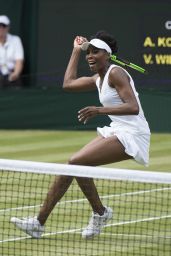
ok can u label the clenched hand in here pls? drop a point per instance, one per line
(86, 113)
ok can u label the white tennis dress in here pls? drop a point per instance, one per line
(131, 130)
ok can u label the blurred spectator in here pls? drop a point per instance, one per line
(11, 55)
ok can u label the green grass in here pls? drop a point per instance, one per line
(137, 237)
(58, 146)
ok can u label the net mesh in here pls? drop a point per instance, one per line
(141, 202)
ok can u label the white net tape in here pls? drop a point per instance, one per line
(85, 171)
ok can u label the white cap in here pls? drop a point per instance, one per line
(4, 20)
(98, 43)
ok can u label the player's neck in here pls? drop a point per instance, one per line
(103, 71)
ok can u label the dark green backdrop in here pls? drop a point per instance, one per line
(51, 108)
(48, 27)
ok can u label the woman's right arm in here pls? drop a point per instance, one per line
(71, 82)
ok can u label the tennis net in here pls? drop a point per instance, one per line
(141, 203)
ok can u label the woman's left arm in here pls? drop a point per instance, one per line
(119, 80)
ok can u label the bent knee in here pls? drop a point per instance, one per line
(74, 160)
(78, 159)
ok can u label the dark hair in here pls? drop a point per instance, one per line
(107, 38)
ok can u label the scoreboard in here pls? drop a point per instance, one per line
(156, 50)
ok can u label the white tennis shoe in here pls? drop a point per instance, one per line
(31, 226)
(96, 223)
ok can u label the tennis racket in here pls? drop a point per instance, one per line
(128, 64)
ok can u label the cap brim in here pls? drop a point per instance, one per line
(85, 46)
(98, 43)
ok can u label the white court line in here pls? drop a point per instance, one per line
(15, 239)
(18, 208)
(45, 234)
(84, 199)
(140, 220)
(81, 200)
(136, 235)
(78, 230)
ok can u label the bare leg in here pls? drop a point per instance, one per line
(97, 152)
(57, 190)
(89, 189)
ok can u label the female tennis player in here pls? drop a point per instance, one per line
(127, 137)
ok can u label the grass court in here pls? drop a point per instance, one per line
(139, 209)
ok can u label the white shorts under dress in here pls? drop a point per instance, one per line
(135, 144)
